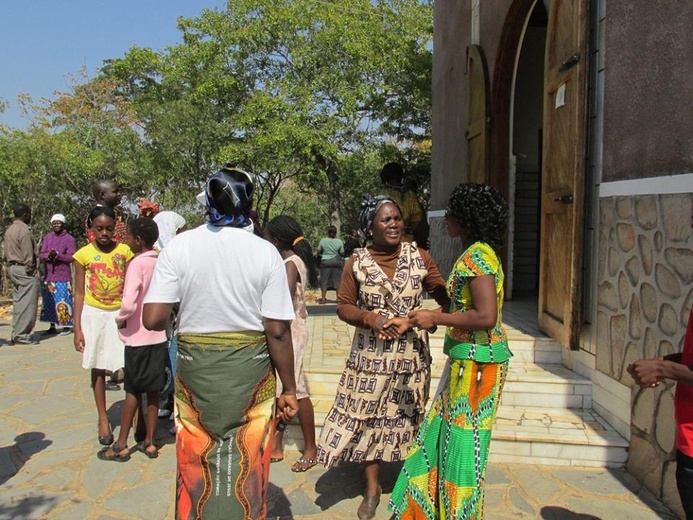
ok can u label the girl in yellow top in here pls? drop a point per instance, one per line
(99, 280)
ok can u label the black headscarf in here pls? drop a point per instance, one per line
(369, 207)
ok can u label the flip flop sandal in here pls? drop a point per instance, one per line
(300, 467)
(116, 457)
(142, 446)
(276, 459)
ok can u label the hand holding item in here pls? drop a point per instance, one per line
(52, 255)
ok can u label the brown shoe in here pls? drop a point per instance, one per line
(368, 506)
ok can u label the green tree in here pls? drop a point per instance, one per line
(293, 91)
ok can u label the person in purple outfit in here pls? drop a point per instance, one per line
(56, 291)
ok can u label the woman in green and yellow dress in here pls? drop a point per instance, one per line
(443, 476)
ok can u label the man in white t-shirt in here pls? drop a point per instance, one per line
(233, 330)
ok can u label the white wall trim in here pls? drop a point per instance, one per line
(682, 183)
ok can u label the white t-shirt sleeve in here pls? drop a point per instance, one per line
(276, 300)
(165, 285)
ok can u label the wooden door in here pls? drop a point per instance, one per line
(563, 158)
(479, 116)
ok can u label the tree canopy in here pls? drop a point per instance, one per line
(311, 97)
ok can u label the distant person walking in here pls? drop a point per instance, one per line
(330, 251)
(56, 252)
(20, 253)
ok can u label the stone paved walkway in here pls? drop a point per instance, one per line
(49, 469)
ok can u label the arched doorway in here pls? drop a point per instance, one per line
(538, 152)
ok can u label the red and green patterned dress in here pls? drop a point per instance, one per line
(443, 476)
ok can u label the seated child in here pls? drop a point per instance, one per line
(145, 351)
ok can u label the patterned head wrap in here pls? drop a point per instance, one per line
(228, 196)
(369, 208)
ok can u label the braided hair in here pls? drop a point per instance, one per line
(481, 211)
(99, 211)
(289, 236)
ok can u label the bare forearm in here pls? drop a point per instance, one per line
(79, 304)
(676, 371)
(472, 319)
(281, 353)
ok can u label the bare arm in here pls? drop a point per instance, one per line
(278, 334)
(650, 372)
(292, 277)
(79, 304)
(155, 315)
(482, 316)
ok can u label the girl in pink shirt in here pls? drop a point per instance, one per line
(145, 351)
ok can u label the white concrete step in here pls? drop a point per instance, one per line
(529, 436)
(527, 384)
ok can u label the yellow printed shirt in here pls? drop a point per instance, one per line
(484, 346)
(104, 275)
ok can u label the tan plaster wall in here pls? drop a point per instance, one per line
(451, 37)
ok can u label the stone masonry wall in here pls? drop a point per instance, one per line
(645, 273)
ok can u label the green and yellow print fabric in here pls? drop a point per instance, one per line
(489, 346)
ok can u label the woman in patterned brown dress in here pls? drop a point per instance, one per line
(383, 390)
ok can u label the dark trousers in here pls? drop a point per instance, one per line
(684, 482)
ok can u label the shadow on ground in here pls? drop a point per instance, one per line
(345, 481)
(561, 513)
(14, 456)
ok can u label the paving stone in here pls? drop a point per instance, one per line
(56, 480)
(148, 500)
(601, 482)
(520, 502)
(33, 411)
(537, 485)
(72, 511)
(496, 475)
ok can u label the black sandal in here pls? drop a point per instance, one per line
(142, 446)
(116, 457)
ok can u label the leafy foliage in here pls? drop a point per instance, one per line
(312, 97)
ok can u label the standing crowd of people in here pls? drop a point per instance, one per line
(225, 309)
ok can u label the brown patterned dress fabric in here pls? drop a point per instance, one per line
(384, 388)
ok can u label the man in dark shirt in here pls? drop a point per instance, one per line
(20, 253)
